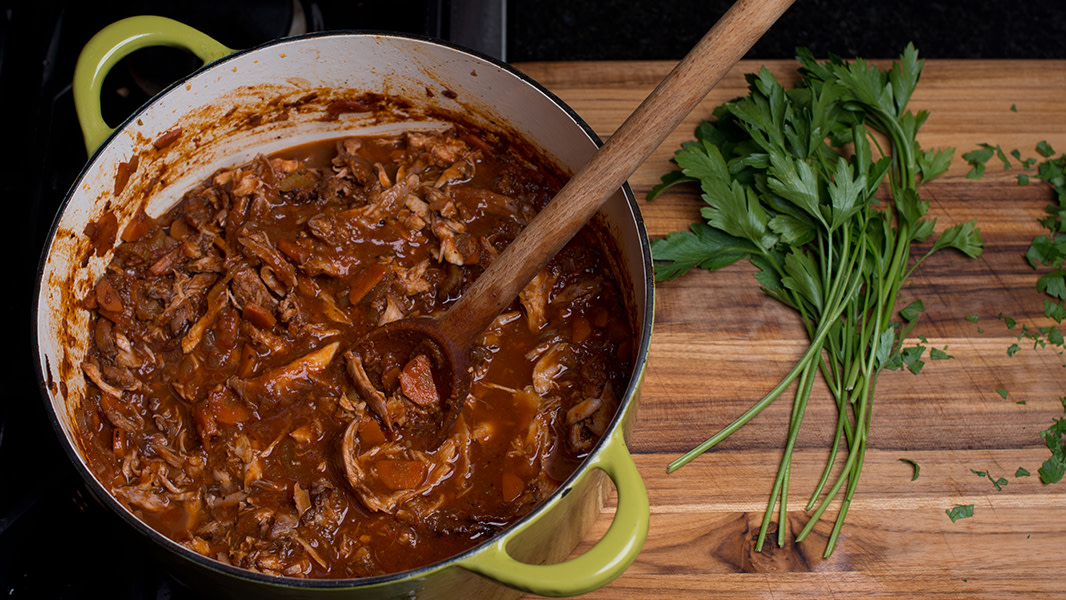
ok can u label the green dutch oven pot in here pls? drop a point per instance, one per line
(288, 84)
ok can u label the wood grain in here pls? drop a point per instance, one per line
(719, 344)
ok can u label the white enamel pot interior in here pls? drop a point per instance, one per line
(245, 103)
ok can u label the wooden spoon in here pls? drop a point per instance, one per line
(446, 340)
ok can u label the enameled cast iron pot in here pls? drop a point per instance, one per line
(243, 103)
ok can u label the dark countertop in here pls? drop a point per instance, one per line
(665, 29)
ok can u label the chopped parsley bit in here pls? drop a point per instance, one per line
(912, 311)
(1054, 436)
(1023, 179)
(914, 464)
(1022, 402)
(1013, 108)
(1022, 472)
(1008, 321)
(938, 354)
(912, 358)
(1053, 335)
(972, 318)
(997, 482)
(1054, 310)
(1013, 349)
(1002, 393)
(977, 159)
(959, 511)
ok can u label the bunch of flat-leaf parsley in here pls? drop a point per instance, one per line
(790, 178)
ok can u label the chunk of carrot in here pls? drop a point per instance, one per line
(296, 251)
(580, 329)
(107, 296)
(367, 279)
(258, 316)
(511, 486)
(226, 407)
(249, 361)
(400, 474)
(205, 423)
(416, 381)
(138, 226)
(370, 433)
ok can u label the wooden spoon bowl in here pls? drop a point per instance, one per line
(436, 400)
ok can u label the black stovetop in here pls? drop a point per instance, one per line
(55, 541)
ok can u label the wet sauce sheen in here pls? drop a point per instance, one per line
(220, 385)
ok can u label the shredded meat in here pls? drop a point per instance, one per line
(226, 408)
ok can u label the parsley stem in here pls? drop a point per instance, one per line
(848, 472)
(780, 489)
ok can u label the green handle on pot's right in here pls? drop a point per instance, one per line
(113, 43)
(599, 565)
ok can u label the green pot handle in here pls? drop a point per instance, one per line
(598, 566)
(113, 43)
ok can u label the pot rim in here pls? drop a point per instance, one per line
(626, 404)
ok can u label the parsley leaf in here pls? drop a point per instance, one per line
(960, 511)
(938, 354)
(977, 159)
(997, 482)
(1054, 310)
(917, 469)
(701, 246)
(912, 358)
(912, 310)
(1054, 468)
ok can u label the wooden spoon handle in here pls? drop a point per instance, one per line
(660, 113)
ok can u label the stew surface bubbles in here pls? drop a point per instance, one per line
(226, 410)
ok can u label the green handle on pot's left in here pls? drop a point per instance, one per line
(115, 42)
(597, 566)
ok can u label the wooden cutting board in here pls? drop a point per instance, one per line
(719, 345)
